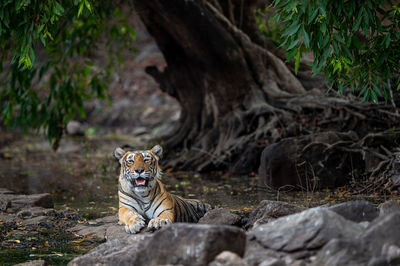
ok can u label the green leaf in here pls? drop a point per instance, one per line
(292, 30)
(323, 27)
(306, 39)
(80, 9)
(297, 62)
(293, 44)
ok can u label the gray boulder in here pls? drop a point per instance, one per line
(114, 252)
(269, 210)
(342, 252)
(383, 231)
(191, 244)
(306, 162)
(185, 244)
(308, 230)
(388, 207)
(379, 244)
(220, 216)
(356, 211)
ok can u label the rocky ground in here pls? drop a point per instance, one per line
(274, 233)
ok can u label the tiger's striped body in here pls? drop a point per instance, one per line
(142, 195)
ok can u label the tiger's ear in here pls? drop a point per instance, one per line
(119, 153)
(157, 151)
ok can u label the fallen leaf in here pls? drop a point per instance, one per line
(77, 241)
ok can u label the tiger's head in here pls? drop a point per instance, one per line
(139, 169)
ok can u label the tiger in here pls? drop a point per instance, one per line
(143, 197)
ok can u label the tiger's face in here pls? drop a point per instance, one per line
(139, 169)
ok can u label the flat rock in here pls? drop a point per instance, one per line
(220, 216)
(44, 200)
(356, 211)
(92, 230)
(101, 228)
(7, 218)
(27, 213)
(269, 210)
(37, 220)
(308, 230)
(5, 191)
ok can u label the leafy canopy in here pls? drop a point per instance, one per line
(46, 70)
(355, 43)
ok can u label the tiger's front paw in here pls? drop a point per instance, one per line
(156, 223)
(134, 225)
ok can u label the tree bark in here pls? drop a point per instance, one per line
(236, 95)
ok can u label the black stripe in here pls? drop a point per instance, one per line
(182, 211)
(129, 206)
(165, 210)
(152, 198)
(158, 206)
(131, 196)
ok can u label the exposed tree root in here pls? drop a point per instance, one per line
(238, 97)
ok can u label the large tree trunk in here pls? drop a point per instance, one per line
(236, 95)
(219, 76)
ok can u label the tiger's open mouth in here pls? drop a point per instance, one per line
(141, 182)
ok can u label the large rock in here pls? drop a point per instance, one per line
(191, 244)
(306, 162)
(342, 252)
(383, 231)
(379, 244)
(308, 230)
(114, 252)
(220, 216)
(356, 211)
(185, 244)
(269, 210)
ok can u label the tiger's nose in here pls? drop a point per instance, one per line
(139, 170)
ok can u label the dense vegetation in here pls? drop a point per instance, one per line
(46, 68)
(355, 43)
